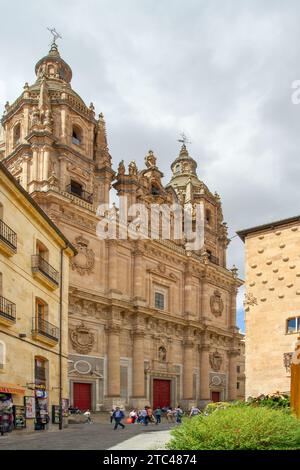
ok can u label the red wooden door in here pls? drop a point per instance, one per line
(215, 396)
(82, 396)
(161, 393)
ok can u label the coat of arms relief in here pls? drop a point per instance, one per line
(82, 339)
(84, 261)
(216, 303)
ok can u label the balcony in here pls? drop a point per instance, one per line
(7, 312)
(44, 331)
(213, 259)
(78, 192)
(8, 239)
(44, 272)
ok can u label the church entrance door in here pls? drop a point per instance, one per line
(161, 393)
(215, 396)
(82, 396)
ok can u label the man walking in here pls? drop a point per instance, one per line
(118, 415)
(157, 414)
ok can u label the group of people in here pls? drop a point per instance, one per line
(147, 415)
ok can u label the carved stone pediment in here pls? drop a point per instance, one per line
(82, 339)
(216, 303)
(161, 271)
(84, 261)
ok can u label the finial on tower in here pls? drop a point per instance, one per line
(55, 36)
(184, 140)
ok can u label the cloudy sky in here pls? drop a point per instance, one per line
(221, 71)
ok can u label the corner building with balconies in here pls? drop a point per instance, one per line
(149, 321)
(34, 272)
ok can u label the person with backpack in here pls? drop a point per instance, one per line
(178, 414)
(118, 415)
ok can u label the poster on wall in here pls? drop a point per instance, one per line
(29, 403)
(65, 407)
(55, 414)
(19, 416)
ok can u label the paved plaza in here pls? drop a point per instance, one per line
(96, 436)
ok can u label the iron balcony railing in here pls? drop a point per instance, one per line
(88, 197)
(40, 264)
(8, 235)
(213, 259)
(7, 309)
(43, 327)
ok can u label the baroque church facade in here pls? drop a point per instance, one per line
(149, 321)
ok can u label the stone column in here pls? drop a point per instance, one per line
(46, 157)
(188, 370)
(139, 274)
(188, 297)
(113, 267)
(113, 362)
(204, 375)
(232, 375)
(232, 313)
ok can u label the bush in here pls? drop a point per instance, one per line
(238, 428)
(273, 400)
(211, 407)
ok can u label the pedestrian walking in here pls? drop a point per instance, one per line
(112, 414)
(194, 411)
(170, 415)
(178, 414)
(87, 414)
(157, 414)
(144, 416)
(133, 416)
(118, 415)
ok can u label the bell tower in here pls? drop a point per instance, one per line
(190, 190)
(53, 143)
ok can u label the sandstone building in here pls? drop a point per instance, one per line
(272, 304)
(148, 320)
(34, 273)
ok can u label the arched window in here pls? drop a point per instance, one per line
(208, 216)
(177, 168)
(17, 134)
(154, 190)
(76, 135)
(2, 354)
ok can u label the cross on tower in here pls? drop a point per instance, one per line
(55, 35)
(184, 140)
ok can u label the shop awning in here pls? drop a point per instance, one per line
(11, 388)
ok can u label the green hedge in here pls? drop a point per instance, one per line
(238, 428)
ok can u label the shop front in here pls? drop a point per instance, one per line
(12, 415)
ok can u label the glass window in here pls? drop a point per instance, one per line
(292, 325)
(238, 369)
(238, 385)
(159, 300)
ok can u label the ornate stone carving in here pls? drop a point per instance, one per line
(150, 159)
(162, 354)
(132, 168)
(84, 261)
(215, 360)
(82, 339)
(216, 304)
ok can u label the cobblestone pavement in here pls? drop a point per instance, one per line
(96, 436)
